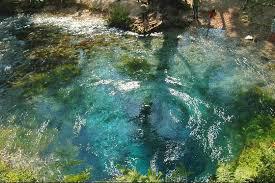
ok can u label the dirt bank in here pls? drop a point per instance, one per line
(240, 19)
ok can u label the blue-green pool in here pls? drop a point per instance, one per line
(161, 101)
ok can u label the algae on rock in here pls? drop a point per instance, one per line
(136, 67)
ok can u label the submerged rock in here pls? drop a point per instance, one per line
(136, 67)
(50, 61)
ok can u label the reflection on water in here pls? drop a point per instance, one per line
(160, 101)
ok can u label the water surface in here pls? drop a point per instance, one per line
(161, 101)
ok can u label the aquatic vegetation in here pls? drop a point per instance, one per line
(29, 141)
(51, 61)
(36, 83)
(70, 97)
(20, 149)
(21, 160)
(43, 58)
(119, 17)
(128, 175)
(258, 127)
(136, 67)
(40, 35)
(98, 41)
(48, 57)
(21, 174)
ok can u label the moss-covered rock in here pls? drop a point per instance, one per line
(40, 35)
(36, 83)
(136, 67)
(98, 42)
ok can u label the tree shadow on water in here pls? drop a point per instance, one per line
(160, 133)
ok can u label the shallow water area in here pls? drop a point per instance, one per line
(162, 101)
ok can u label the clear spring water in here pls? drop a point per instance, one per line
(179, 117)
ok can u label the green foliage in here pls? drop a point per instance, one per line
(80, 177)
(225, 173)
(24, 174)
(248, 165)
(180, 174)
(257, 127)
(119, 17)
(254, 163)
(253, 102)
(266, 174)
(153, 176)
(257, 159)
(12, 174)
(128, 175)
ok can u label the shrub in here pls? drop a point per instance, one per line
(119, 17)
(256, 160)
(80, 177)
(11, 174)
(253, 102)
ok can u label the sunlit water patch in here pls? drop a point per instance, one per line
(159, 101)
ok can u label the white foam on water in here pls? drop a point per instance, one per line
(89, 26)
(205, 132)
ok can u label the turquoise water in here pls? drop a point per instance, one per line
(177, 111)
